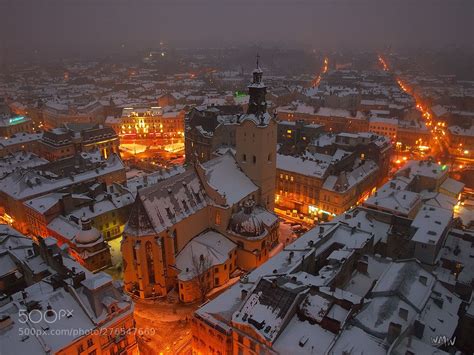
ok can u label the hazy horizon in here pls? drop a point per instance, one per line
(61, 27)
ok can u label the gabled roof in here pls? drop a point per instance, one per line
(160, 206)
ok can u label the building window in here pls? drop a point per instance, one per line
(252, 345)
(254, 159)
(89, 343)
(185, 206)
(244, 157)
(149, 262)
(218, 218)
(269, 158)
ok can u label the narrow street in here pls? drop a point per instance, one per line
(437, 129)
(156, 322)
(324, 69)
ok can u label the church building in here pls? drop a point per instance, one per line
(189, 233)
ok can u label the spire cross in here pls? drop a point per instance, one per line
(258, 57)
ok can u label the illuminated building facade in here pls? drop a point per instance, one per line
(461, 141)
(413, 134)
(148, 123)
(225, 203)
(107, 208)
(384, 127)
(79, 171)
(333, 175)
(14, 124)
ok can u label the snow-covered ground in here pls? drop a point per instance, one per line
(286, 234)
(133, 148)
(116, 269)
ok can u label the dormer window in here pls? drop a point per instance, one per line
(185, 206)
(169, 213)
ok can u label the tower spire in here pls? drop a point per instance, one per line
(257, 91)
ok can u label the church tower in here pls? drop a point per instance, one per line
(256, 139)
(257, 92)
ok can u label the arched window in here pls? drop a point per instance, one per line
(149, 262)
(218, 218)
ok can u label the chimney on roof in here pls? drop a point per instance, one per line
(394, 330)
(243, 294)
(362, 266)
(418, 328)
(290, 256)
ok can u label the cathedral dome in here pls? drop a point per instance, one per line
(246, 222)
(88, 234)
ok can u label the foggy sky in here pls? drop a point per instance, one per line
(58, 26)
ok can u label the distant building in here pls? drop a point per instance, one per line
(210, 129)
(333, 119)
(413, 134)
(384, 127)
(151, 123)
(71, 139)
(20, 142)
(10, 125)
(296, 135)
(56, 113)
(461, 141)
